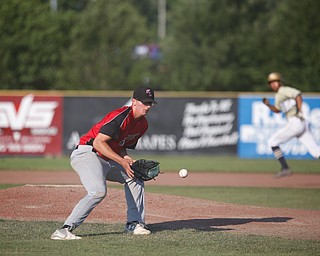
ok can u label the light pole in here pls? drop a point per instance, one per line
(54, 5)
(161, 19)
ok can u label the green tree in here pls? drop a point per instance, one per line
(233, 45)
(149, 10)
(67, 5)
(31, 41)
(100, 56)
(293, 43)
(214, 44)
(210, 45)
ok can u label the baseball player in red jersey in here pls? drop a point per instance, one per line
(289, 101)
(102, 155)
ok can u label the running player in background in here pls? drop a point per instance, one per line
(289, 101)
(102, 155)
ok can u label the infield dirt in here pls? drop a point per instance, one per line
(164, 212)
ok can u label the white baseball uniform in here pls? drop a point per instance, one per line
(297, 126)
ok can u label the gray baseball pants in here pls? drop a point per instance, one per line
(93, 171)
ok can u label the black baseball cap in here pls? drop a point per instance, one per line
(144, 94)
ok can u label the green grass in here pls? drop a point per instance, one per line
(174, 163)
(4, 186)
(32, 238)
(295, 198)
(35, 163)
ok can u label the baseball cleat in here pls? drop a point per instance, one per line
(137, 228)
(64, 234)
(283, 173)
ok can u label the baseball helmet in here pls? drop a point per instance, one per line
(274, 76)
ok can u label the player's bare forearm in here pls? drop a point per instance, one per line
(271, 107)
(100, 143)
(127, 157)
(274, 109)
(299, 102)
(103, 148)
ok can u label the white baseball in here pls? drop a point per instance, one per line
(183, 173)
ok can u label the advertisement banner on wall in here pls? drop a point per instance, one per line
(31, 125)
(257, 124)
(193, 125)
(176, 125)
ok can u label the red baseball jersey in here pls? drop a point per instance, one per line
(121, 126)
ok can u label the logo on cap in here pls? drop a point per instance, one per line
(149, 92)
(144, 94)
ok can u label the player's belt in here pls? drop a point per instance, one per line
(93, 150)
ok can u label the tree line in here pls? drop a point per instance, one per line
(210, 45)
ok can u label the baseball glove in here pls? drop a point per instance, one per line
(145, 170)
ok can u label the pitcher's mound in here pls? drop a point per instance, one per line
(163, 212)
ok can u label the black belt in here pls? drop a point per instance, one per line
(93, 150)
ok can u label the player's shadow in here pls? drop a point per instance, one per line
(211, 224)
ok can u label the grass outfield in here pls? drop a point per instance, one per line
(294, 198)
(32, 238)
(174, 163)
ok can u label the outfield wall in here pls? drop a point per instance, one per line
(50, 123)
(257, 124)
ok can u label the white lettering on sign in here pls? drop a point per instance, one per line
(30, 114)
(208, 124)
(27, 126)
(264, 123)
(157, 142)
